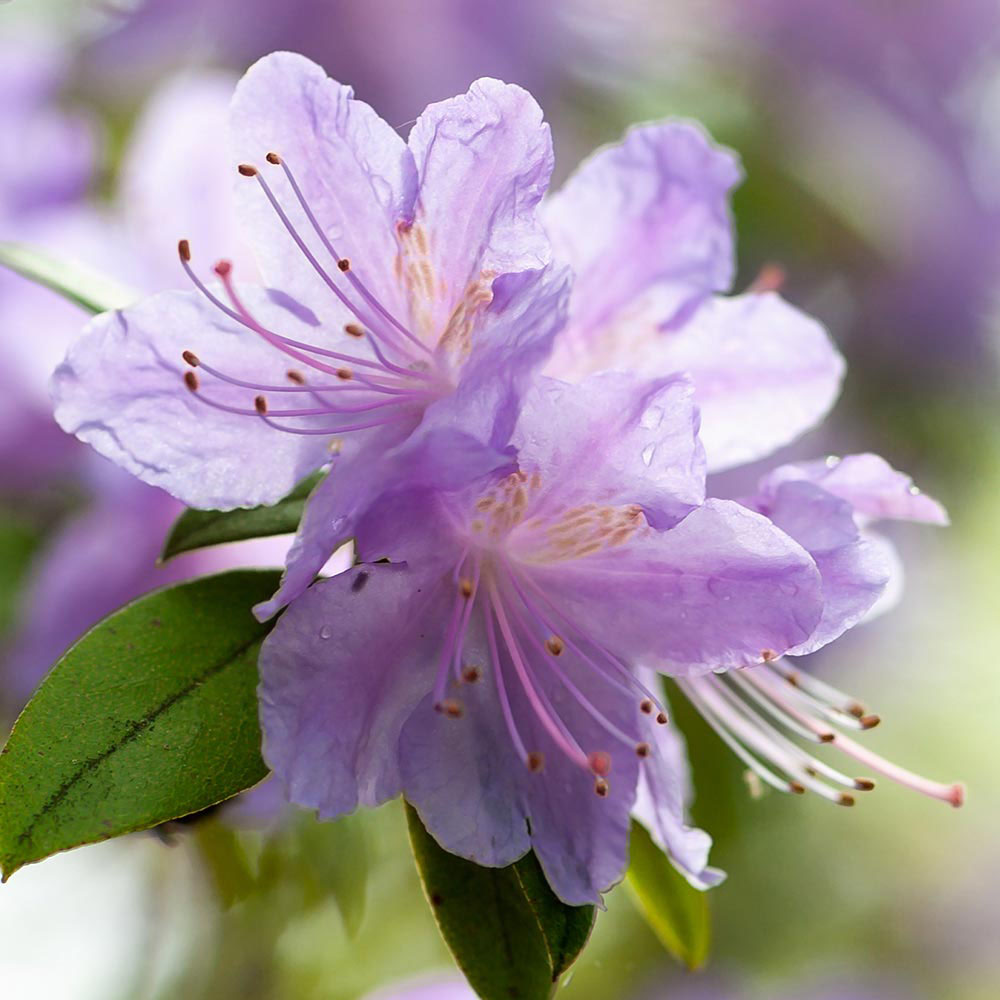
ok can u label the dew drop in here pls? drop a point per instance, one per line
(325, 632)
(832, 461)
(647, 454)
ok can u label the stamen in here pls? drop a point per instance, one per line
(536, 762)
(508, 716)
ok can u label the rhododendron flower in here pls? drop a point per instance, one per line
(399, 279)
(826, 506)
(646, 228)
(487, 670)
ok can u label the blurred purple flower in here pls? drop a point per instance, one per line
(497, 691)
(400, 56)
(645, 226)
(442, 987)
(418, 307)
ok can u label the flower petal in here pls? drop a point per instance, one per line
(721, 589)
(874, 488)
(651, 211)
(340, 673)
(353, 168)
(484, 160)
(121, 389)
(615, 439)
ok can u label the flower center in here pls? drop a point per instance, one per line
(343, 391)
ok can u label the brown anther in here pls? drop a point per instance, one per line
(345, 374)
(864, 784)
(846, 800)
(273, 158)
(297, 377)
(601, 788)
(449, 707)
(642, 749)
(796, 789)
(184, 249)
(646, 706)
(344, 264)
(869, 721)
(471, 674)
(465, 587)
(856, 710)
(535, 762)
(260, 404)
(811, 771)
(767, 655)
(190, 357)
(661, 718)
(554, 645)
(247, 170)
(793, 679)
(191, 381)
(353, 330)
(827, 737)
(223, 268)
(599, 762)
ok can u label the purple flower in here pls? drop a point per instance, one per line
(826, 507)
(646, 228)
(441, 987)
(385, 308)
(488, 671)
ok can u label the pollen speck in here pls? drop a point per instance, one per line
(535, 762)
(471, 674)
(450, 707)
(642, 749)
(465, 587)
(601, 788)
(344, 264)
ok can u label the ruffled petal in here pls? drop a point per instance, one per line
(868, 483)
(340, 673)
(724, 588)
(650, 212)
(484, 160)
(121, 389)
(353, 168)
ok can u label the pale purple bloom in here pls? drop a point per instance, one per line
(645, 226)
(487, 671)
(440, 987)
(401, 278)
(826, 506)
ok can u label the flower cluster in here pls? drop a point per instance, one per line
(519, 397)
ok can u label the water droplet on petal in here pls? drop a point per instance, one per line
(832, 461)
(325, 632)
(647, 454)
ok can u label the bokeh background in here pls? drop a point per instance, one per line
(870, 136)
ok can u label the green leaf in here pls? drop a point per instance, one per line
(152, 715)
(509, 933)
(677, 912)
(82, 285)
(196, 529)
(564, 928)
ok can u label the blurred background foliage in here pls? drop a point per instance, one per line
(870, 135)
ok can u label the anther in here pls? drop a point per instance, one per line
(345, 374)
(554, 645)
(260, 404)
(869, 721)
(273, 158)
(795, 788)
(247, 170)
(661, 718)
(297, 377)
(191, 358)
(845, 800)
(767, 655)
(826, 737)
(856, 710)
(535, 762)
(353, 330)
(642, 750)
(191, 381)
(601, 788)
(449, 707)
(864, 784)
(471, 674)
(646, 706)
(600, 762)
(223, 268)
(465, 587)
(344, 264)
(184, 249)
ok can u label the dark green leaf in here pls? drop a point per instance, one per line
(565, 928)
(152, 715)
(509, 933)
(80, 284)
(196, 529)
(676, 911)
